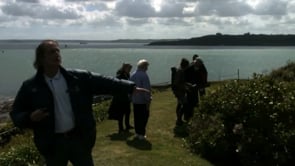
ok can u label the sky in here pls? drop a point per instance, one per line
(142, 19)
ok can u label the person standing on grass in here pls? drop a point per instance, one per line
(141, 101)
(203, 74)
(196, 75)
(57, 104)
(120, 105)
(180, 88)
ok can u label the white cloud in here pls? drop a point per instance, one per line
(135, 8)
(113, 19)
(223, 8)
(272, 7)
(40, 11)
(169, 9)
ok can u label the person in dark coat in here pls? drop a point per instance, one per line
(56, 104)
(203, 74)
(120, 106)
(180, 88)
(196, 75)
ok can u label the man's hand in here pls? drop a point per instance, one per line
(39, 114)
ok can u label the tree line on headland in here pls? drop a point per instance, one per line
(219, 39)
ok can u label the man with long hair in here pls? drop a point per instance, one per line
(57, 104)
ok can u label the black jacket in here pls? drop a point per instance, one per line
(82, 86)
(120, 103)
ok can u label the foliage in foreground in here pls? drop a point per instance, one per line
(246, 123)
(285, 73)
(22, 152)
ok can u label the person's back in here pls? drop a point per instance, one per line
(180, 83)
(202, 76)
(180, 87)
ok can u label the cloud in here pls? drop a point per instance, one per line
(28, 1)
(222, 8)
(135, 8)
(137, 21)
(169, 9)
(271, 7)
(34, 11)
(144, 18)
(89, 0)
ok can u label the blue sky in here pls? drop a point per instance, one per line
(142, 19)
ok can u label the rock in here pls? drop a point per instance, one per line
(5, 108)
(6, 105)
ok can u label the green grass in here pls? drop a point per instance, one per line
(161, 148)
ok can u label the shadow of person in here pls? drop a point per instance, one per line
(139, 144)
(181, 131)
(120, 136)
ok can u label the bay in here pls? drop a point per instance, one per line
(222, 62)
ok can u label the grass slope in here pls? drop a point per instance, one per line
(162, 148)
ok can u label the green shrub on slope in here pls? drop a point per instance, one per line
(285, 73)
(246, 123)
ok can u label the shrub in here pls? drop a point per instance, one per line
(285, 73)
(100, 110)
(246, 123)
(21, 153)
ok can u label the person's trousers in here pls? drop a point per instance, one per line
(72, 147)
(125, 115)
(141, 116)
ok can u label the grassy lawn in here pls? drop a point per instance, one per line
(161, 148)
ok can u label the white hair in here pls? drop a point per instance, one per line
(142, 63)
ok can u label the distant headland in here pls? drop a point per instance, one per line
(219, 39)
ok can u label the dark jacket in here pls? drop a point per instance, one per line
(179, 83)
(82, 86)
(197, 76)
(120, 103)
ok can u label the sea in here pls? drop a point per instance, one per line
(106, 57)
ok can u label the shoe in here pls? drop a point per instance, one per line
(179, 123)
(137, 136)
(142, 137)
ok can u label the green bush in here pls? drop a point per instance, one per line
(21, 153)
(246, 123)
(285, 73)
(100, 110)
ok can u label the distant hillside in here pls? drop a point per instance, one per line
(233, 40)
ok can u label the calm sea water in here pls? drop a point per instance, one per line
(222, 62)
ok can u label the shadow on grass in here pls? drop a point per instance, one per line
(140, 144)
(181, 131)
(120, 136)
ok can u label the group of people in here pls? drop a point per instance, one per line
(188, 84)
(120, 106)
(56, 103)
